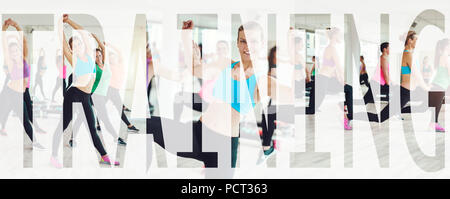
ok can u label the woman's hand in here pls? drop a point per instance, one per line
(188, 25)
(5, 25)
(13, 23)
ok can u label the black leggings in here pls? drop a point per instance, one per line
(76, 95)
(181, 99)
(58, 85)
(383, 89)
(268, 124)
(405, 97)
(29, 105)
(436, 99)
(114, 96)
(99, 104)
(210, 159)
(12, 101)
(39, 82)
(329, 86)
(364, 79)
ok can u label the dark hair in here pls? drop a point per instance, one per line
(70, 42)
(271, 57)
(410, 35)
(361, 57)
(200, 46)
(384, 45)
(98, 50)
(252, 26)
(441, 44)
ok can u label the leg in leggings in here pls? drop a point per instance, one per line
(210, 159)
(268, 128)
(435, 99)
(328, 86)
(348, 90)
(114, 96)
(58, 85)
(12, 103)
(102, 113)
(405, 97)
(364, 79)
(39, 83)
(76, 95)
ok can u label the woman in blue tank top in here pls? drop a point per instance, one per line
(235, 89)
(84, 76)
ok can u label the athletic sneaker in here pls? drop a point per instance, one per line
(38, 146)
(347, 124)
(72, 143)
(265, 155)
(126, 109)
(105, 160)
(438, 128)
(55, 163)
(133, 129)
(121, 141)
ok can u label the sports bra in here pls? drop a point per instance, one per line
(406, 70)
(83, 67)
(16, 73)
(242, 102)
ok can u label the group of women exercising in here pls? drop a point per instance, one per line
(329, 77)
(226, 85)
(92, 80)
(412, 81)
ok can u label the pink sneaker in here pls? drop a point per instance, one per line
(347, 124)
(438, 128)
(55, 163)
(105, 160)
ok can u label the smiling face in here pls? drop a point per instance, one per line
(98, 57)
(249, 43)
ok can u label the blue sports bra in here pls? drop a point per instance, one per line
(243, 102)
(406, 70)
(83, 68)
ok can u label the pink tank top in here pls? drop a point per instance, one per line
(206, 92)
(379, 76)
(62, 72)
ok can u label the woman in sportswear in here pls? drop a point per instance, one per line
(78, 54)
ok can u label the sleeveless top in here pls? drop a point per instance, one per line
(243, 102)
